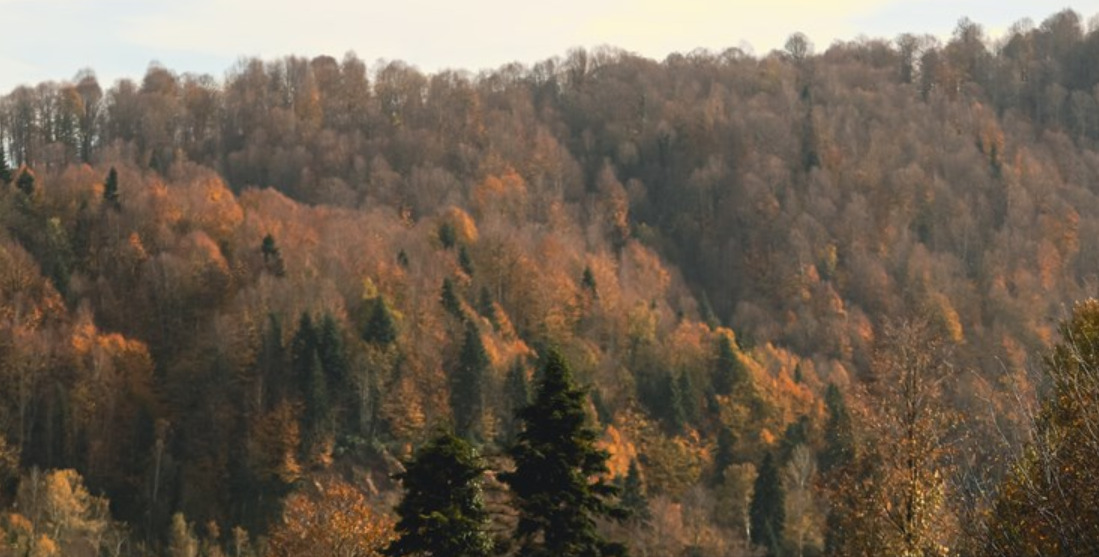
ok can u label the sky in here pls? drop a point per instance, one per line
(45, 40)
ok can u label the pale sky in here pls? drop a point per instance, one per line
(53, 39)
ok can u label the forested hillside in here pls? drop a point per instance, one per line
(809, 302)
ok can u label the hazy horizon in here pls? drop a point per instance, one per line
(120, 38)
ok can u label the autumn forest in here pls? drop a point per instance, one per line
(821, 301)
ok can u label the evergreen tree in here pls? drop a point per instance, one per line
(706, 311)
(558, 479)
(25, 182)
(447, 235)
(634, 499)
(110, 191)
(449, 298)
(689, 402)
(467, 383)
(402, 259)
(272, 257)
(486, 307)
(839, 441)
(380, 329)
(464, 261)
(587, 280)
(333, 359)
(797, 433)
(442, 512)
(724, 455)
(5, 170)
(303, 348)
(728, 371)
(516, 397)
(272, 361)
(310, 378)
(767, 513)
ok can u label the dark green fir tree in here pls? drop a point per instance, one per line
(467, 383)
(380, 329)
(634, 499)
(767, 512)
(559, 478)
(442, 511)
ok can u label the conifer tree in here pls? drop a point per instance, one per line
(728, 371)
(464, 261)
(767, 513)
(634, 499)
(442, 512)
(467, 383)
(558, 480)
(447, 235)
(587, 280)
(449, 298)
(516, 397)
(486, 307)
(110, 191)
(272, 257)
(380, 329)
(724, 455)
(333, 358)
(839, 442)
(25, 182)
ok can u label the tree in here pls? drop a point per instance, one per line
(111, 196)
(634, 499)
(272, 257)
(558, 481)
(724, 456)
(442, 511)
(728, 372)
(465, 262)
(839, 441)
(467, 382)
(449, 298)
(334, 520)
(380, 328)
(1049, 502)
(25, 182)
(768, 511)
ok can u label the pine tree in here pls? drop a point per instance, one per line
(839, 441)
(767, 513)
(724, 455)
(467, 383)
(5, 170)
(634, 499)
(587, 280)
(110, 191)
(464, 261)
(486, 307)
(516, 397)
(558, 479)
(25, 182)
(380, 329)
(442, 511)
(272, 257)
(728, 371)
(447, 235)
(334, 363)
(449, 298)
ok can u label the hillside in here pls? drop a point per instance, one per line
(221, 298)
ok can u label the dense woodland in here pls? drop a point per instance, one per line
(804, 303)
